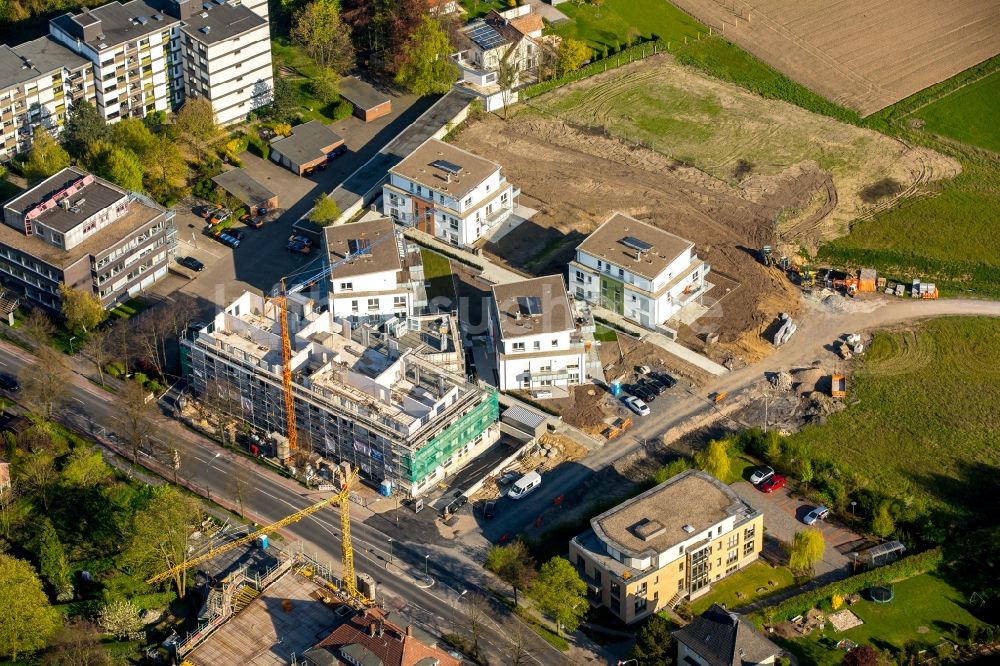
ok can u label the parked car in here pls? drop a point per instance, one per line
(262, 210)
(526, 484)
(490, 510)
(308, 171)
(336, 152)
(245, 218)
(299, 248)
(665, 378)
(321, 166)
(218, 216)
(643, 369)
(255, 222)
(637, 405)
(541, 394)
(774, 483)
(507, 478)
(239, 234)
(643, 393)
(206, 211)
(762, 474)
(654, 385)
(819, 513)
(192, 263)
(9, 383)
(299, 238)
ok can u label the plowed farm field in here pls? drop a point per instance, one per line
(863, 54)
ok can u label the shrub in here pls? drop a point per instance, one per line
(115, 369)
(836, 602)
(341, 110)
(259, 147)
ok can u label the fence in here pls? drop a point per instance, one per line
(623, 57)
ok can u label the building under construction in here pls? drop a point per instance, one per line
(362, 396)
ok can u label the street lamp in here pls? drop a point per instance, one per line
(71, 339)
(390, 550)
(627, 662)
(852, 508)
(425, 563)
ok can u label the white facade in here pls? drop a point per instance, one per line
(373, 295)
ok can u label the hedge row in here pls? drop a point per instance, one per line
(904, 568)
(623, 57)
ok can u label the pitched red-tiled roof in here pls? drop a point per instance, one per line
(393, 645)
(528, 23)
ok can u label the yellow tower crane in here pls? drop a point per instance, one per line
(281, 301)
(347, 552)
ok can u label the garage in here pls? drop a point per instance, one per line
(368, 102)
(309, 145)
(240, 184)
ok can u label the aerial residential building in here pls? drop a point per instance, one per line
(535, 336)
(310, 144)
(449, 193)
(361, 396)
(719, 637)
(636, 270)
(369, 638)
(667, 544)
(76, 229)
(39, 81)
(373, 271)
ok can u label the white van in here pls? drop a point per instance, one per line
(524, 485)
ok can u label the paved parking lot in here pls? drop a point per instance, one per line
(783, 515)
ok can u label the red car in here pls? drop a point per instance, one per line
(772, 484)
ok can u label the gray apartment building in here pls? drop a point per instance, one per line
(77, 229)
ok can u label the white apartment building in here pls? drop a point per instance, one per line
(636, 270)
(372, 274)
(39, 81)
(534, 334)
(449, 193)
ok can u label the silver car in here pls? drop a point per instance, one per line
(761, 475)
(819, 513)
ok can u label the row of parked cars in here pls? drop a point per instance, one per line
(767, 482)
(644, 391)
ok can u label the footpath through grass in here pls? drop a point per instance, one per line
(922, 422)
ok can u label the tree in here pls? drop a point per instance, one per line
(45, 158)
(240, 487)
(882, 523)
(513, 564)
(325, 85)
(85, 468)
(84, 126)
(807, 550)
(715, 460)
(652, 643)
(37, 473)
(319, 29)
(95, 348)
(508, 71)
(285, 105)
(119, 165)
(46, 382)
(196, 127)
(864, 655)
(133, 134)
(517, 653)
(52, 562)
(159, 535)
(137, 417)
(325, 211)
(632, 36)
(166, 170)
(560, 593)
(476, 610)
(120, 618)
(26, 618)
(572, 54)
(425, 68)
(83, 310)
(76, 644)
(38, 327)
(806, 472)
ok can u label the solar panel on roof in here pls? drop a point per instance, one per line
(530, 305)
(445, 165)
(636, 244)
(486, 37)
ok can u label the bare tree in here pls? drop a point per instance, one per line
(119, 343)
(476, 611)
(517, 653)
(46, 382)
(137, 417)
(149, 331)
(10, 511)
(508, 70)
(96, 350)
(240, 487)
(222, 400)
(38, 474)
(38, 327)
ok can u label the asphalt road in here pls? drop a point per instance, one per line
(271, 497)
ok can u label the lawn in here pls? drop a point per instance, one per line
(610, 22)
(742, 587)
(937, 386)
(288, 56)
(926, 610)
(970, 115)
(603, 333)
(437, 271)
(477, 8)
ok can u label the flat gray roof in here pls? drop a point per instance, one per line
(241, 185)
(361, 94)
(382, 254)
(309, 141)
(220, 22)
(614, 241)
(531, 307)
(95, 197)
(38, 57)
(119, 22)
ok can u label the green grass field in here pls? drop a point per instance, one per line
(741, 588)
(604, 26)
(925, 610)
(294, 59)
(970, 115)
(437, 271)
(922, 422)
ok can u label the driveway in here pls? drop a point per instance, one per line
(783, 515)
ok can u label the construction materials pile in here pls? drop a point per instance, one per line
(781, 381)
(786, 330)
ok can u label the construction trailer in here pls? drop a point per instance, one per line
(867, 280)
(838, 386)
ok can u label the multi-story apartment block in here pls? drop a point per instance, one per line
(534, 333)
(361, 396)
(508, 39)
(39, 81)
(375, 273)
(638, 271)
(87, 233)
(669, 543)
(449, 193)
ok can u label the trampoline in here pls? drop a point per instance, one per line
(881, 594)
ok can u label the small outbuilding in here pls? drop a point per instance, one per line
(240, 184)
(369, 103)
(309, 145)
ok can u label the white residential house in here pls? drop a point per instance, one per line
(449, 193)
(534, 333)
(636, 270)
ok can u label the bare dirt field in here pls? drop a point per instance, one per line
(865, 55)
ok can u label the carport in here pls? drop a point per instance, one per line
(242, 185)
(308, 146)
(368, 102)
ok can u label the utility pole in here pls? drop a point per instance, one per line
(177, 464)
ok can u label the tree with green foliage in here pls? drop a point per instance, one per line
(84, 125)
(85, 468)
(27, 621)
(83, 310)
(159, 535)
(714, 459)
(45, 383)
(166, 171)
(325, 211)
(319, 30)
(325, 85)
(806, 472)
(45, 158)
(560, 593)
(135, 135)
(652, 643)
(120, 618)
(285, 104)
(807, 550)
(882, 522)
(572, 54)
(112, 162)
(425, 68)
(76, 644)
(52, 562)
(196, 126)
(513, 564)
